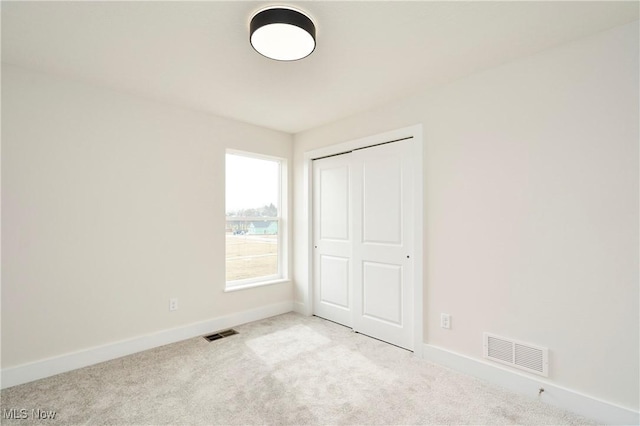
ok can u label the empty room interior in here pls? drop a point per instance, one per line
(320, 212)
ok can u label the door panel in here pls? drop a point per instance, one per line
(332, 239)
(382, 292)
(381, 210)
(334, 202)
(383, 217)
(334, 280)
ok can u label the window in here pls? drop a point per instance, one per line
(254, 224)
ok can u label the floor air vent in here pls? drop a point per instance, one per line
(220, 335)
(534, 359)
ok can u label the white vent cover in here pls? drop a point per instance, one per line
(531, 358)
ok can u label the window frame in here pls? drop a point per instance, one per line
(282, 235)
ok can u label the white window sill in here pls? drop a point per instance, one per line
(254, 285)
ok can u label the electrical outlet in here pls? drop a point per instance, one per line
(445, 321)
(173, 304)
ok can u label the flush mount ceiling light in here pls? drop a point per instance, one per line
(282, 33)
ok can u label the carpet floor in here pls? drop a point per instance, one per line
(285, 370)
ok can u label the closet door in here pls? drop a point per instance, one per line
(332, 269)
(363, 238)
(382, 227)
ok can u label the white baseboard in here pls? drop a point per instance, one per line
(51, 366)
(593, 408)
(301, 308)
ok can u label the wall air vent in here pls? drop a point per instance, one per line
(220, 335)
(531, 358)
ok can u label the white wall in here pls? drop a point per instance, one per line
(531, 208)
(112, 205)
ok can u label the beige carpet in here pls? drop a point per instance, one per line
(288, 369)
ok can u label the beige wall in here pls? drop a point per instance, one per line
(111, 205)
(531, 208)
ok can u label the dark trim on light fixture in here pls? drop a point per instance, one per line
(286, 16)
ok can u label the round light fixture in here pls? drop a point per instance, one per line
(282, 33)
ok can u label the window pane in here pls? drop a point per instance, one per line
(252, 249)
(252, 186)
(252, 223)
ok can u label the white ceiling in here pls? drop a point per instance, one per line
(197, 54)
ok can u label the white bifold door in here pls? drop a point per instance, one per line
(363, 241)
